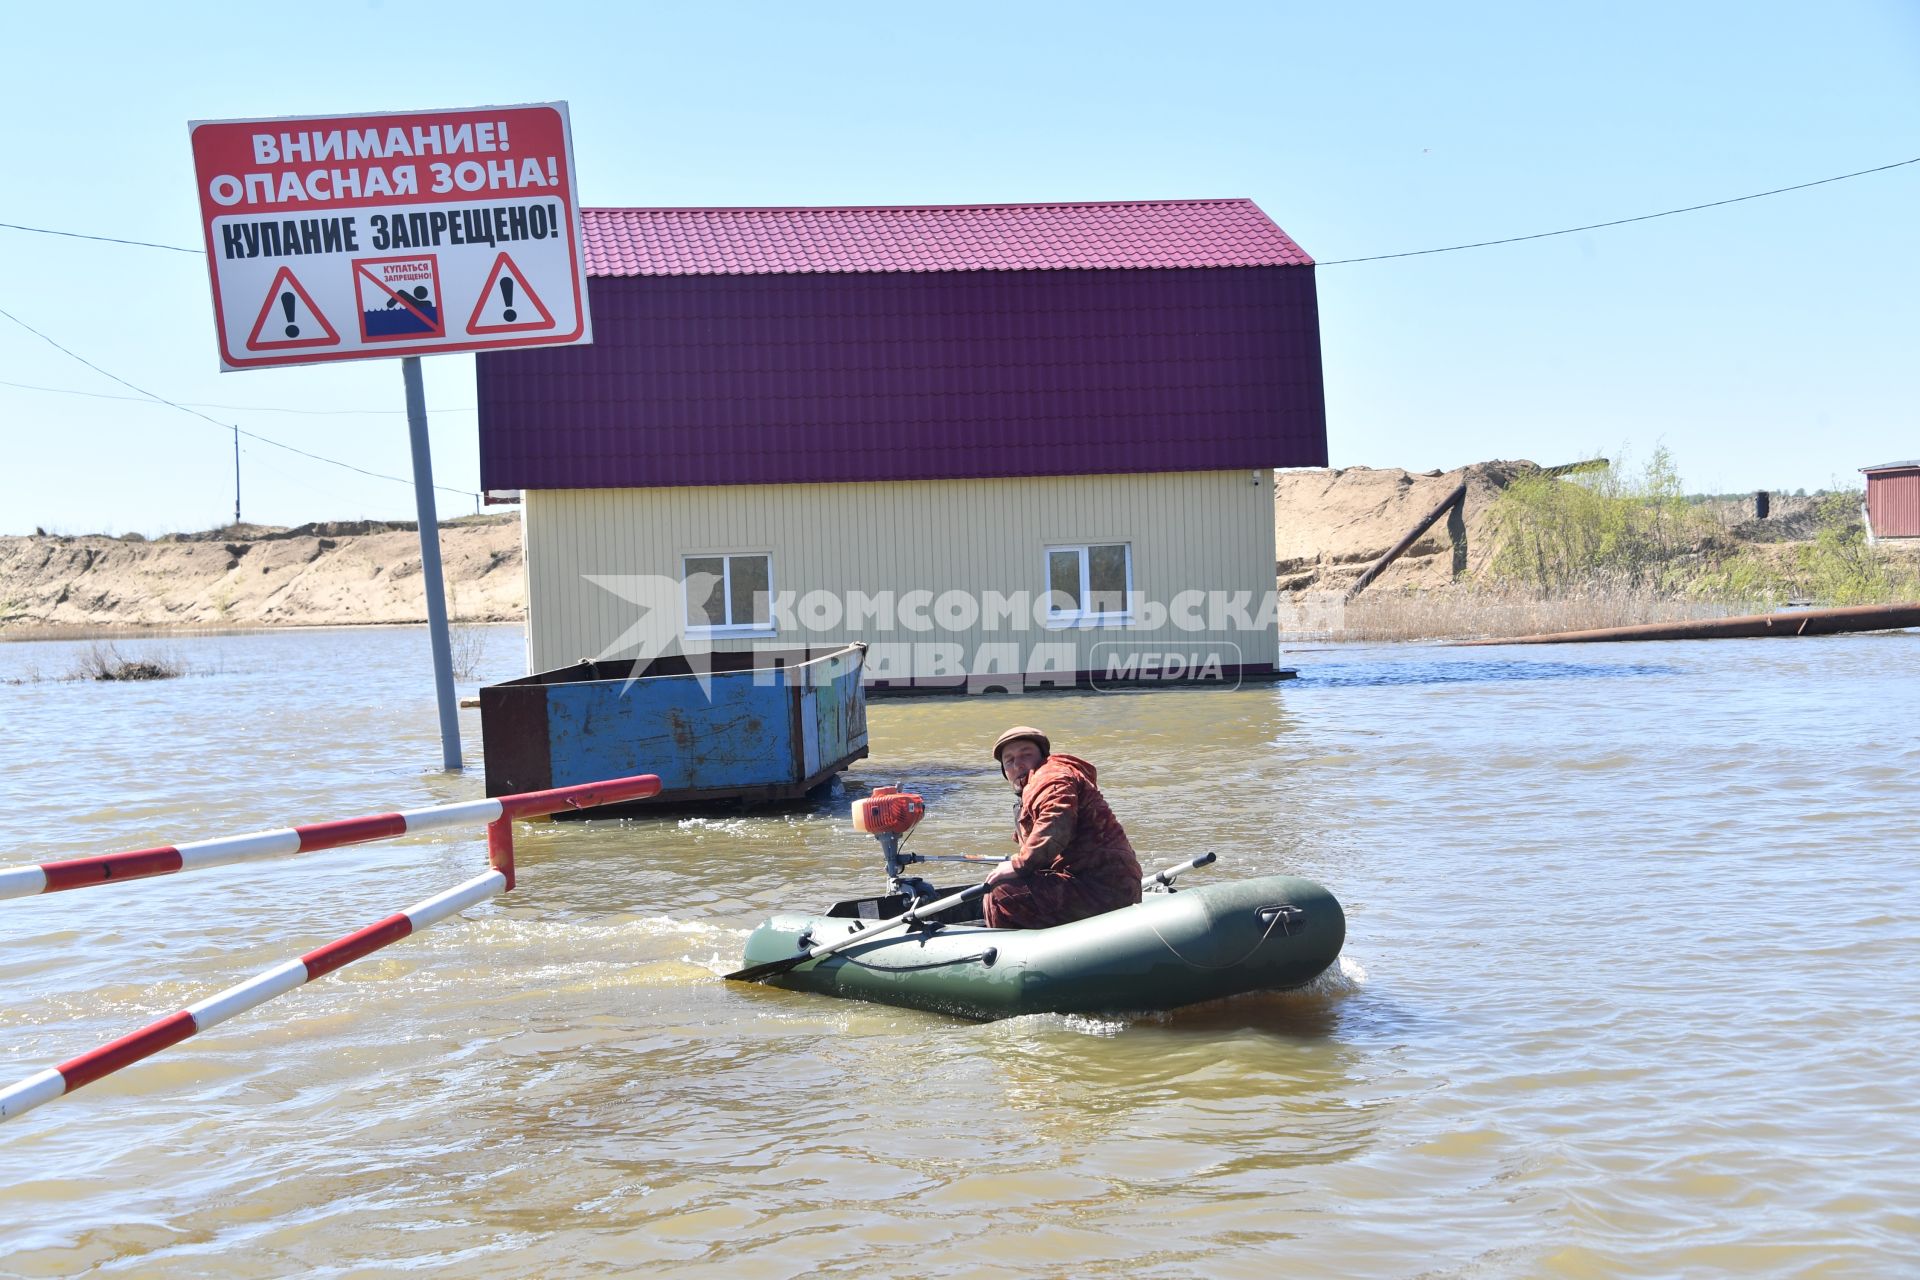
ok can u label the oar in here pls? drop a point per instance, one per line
(911, 858)
(1163, 878)
(773, 968)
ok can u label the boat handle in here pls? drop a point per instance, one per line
(1286, 916)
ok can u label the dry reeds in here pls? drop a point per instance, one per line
(1493, 613)
(103, 660)
(467, 645)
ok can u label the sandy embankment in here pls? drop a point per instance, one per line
(332, 574)
(1330, 524)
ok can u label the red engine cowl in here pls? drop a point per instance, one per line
(888, 811)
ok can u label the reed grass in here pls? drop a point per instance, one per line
(467, 648)
(103, 660)
(1492, 613)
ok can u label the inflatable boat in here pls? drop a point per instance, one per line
(930, 949)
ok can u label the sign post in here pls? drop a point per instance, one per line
(430, 564)
(405, 234)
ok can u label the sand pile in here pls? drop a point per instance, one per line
(337, 573)
(1329, 524)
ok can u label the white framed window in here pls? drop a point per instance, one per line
(1090, 584)
(728, 593)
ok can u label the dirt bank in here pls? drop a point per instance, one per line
(1330, 524)
(331, 574)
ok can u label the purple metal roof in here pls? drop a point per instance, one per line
(780, 379)
(1117, 235)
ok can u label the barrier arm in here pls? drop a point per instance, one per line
(498, 813)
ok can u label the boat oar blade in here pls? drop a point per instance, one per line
(774, 968)
(771, 969)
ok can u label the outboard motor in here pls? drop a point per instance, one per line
(889, 815)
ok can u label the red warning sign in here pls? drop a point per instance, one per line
(505, 302)
(289, 318)
(397, 226)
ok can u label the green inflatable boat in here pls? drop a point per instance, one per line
(1176, 947)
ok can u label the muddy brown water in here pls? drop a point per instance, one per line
(1629, 989)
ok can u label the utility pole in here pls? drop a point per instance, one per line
(236, 473)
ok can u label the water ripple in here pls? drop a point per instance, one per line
(1627, 990)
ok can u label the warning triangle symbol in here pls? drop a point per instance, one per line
(506, 304)
(288, 318)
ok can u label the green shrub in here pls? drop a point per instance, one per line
(1601, 530)
(1604, 532)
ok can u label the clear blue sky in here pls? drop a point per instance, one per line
(1769, 344)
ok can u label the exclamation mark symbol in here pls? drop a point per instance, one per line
(286, 305)
(506, 292)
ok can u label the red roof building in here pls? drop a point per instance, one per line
(1077, 403)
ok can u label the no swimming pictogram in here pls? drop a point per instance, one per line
(399, 298)
(289, 318)
(504, 302)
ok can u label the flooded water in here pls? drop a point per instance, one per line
(1629, 989)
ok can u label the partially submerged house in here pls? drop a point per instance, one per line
(999, 443)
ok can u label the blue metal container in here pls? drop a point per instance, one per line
(755, 728)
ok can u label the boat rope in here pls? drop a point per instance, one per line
(1278, 915)
(985, 957)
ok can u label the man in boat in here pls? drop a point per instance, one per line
(1072, 859)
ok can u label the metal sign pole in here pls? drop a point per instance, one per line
(430, 564)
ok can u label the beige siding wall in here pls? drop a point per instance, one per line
(1209, 533)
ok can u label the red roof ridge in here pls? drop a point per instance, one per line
(804, 239)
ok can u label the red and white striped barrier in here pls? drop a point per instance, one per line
(277, 981)
(498, 814)
(77, 873)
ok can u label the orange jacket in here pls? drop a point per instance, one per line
(1065, 828)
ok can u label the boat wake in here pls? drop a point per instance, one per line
(1344, 977)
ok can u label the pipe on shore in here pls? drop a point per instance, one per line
(1802, 622)
(1378, 567)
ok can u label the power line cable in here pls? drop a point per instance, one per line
(224, 426)
(75, 235)
(1334, 262)
(1621, 222)
(237, 408)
